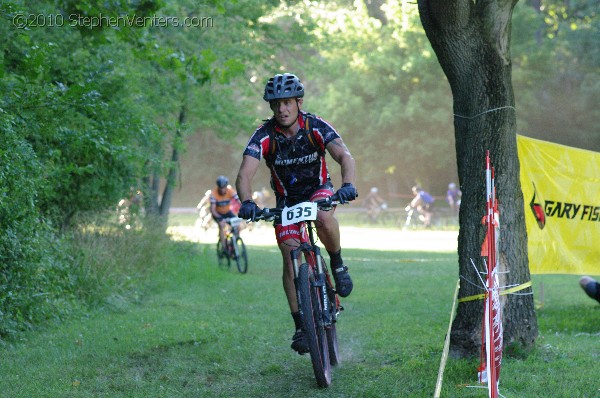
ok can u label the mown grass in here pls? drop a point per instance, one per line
(202, 331)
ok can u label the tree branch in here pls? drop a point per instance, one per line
(445, 14)
(496, 16)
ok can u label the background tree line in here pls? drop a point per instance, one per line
(88, 111)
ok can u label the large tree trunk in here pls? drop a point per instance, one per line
(471, 41)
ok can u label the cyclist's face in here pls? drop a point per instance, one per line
(286, 110)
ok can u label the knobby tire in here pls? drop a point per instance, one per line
(223, 259)
(334, 353)
(311, 307)
(332, 341)
(241, 257)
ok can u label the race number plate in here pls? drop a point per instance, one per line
(235, 221)
(301, 212)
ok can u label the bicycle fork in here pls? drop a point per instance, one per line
(313, 252)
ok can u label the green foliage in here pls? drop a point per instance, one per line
(379, 84)
(92, 102)
(34, 279)
(557, 72)
(72, 107)
(109, 266)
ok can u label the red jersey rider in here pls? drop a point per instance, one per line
(295, 155)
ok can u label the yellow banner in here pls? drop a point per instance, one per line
(561, 189)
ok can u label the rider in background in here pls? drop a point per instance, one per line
(262, 198)
(223, 201)
(453, 196)
(422, 202)
(294, 144)
(374, 205)
(203, 208)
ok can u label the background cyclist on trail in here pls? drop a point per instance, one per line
(422, 202)
(453, 197)
(293, 144)
(224, 203)
(374, 204)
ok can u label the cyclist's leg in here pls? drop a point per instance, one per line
(328, 231)
(222, 232)
(288, 238)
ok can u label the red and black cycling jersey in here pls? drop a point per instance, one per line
(297, 164)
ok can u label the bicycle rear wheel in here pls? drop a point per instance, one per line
(332, 341)
(331, 331)
(222, 258)
(310, 304)
(241, 257)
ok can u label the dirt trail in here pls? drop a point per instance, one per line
(352, 237)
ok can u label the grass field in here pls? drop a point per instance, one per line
(201, 331)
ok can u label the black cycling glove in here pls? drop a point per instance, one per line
(249, 210)
(347, 193)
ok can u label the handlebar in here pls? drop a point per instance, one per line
(233, 221)
(270, 213)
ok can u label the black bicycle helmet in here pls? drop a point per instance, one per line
(283, 86)
(222, 181)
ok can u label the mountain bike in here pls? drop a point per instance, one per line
(235, 249)
(318, 302)
(415, 218)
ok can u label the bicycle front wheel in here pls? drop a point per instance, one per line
(241, 257)
(310, 302)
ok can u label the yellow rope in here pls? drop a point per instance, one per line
(502, 293)
(438, 385)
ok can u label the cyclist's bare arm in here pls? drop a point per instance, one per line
(340, 153)
(243, 182)
(213, 210)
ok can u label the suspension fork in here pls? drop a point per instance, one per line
(320, 281)
(310, 250)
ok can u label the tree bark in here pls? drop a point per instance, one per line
(471, 41)
(165, 203)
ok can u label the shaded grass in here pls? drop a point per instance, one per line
(209, 332)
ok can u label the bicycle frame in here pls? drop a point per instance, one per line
(233, 231)
(234, 248)
(312, 256)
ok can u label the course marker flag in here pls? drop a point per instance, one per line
(492, 334)
(561, 190)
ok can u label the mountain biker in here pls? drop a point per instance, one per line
(374, 204)
(293, 144)
(422, 202)
(453, 197)
(222, 198)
